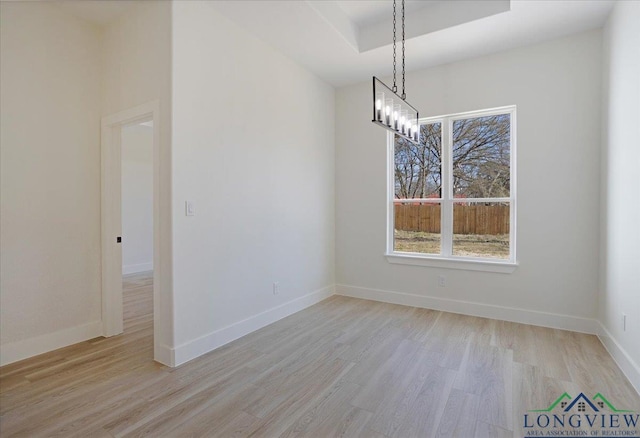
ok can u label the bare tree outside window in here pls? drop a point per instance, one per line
(417, 167)
(481, 157)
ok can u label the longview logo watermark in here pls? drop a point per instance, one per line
(581, 416)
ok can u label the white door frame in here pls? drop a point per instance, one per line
(112, 314)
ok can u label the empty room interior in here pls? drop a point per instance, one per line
(320, 218)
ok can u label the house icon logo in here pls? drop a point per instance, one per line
(575, 414)
(581, 402)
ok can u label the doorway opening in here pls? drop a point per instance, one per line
(136, 147)
(130, 216)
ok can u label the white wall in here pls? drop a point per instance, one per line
(253, 148)
(50, 179)
(620, 211)
(137, 198)
(556, 87)
(137, 69)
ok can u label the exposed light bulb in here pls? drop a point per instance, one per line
(379, 110)
(387, 111)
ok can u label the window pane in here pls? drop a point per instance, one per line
(417, 227)
(417, 167)
(481, 149)
(481, 229)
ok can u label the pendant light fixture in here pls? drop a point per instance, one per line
(390, 110)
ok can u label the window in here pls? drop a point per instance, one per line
(452, 197)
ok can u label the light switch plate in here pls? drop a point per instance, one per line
(190, 208)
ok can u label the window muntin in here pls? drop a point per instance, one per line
(453, 196)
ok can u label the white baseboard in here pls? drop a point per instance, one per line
(628, 366)
(134, 269)
(552, 320)
(19, 350)
(197, 347)
(164, 355)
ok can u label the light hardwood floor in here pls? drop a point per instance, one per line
(344, 367)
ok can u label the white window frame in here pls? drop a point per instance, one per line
(446, 259)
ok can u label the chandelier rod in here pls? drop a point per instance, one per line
(404, 95)
(395, 88)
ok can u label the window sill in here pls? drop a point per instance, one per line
(503, 267)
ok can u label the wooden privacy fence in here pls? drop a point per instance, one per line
(467, 219)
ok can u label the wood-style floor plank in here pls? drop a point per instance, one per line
(460, 415)
(342, 368)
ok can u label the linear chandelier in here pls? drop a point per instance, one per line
(390, 110)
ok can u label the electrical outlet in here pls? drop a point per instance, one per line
(276, 288)
(624, 322)
(441, 281)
